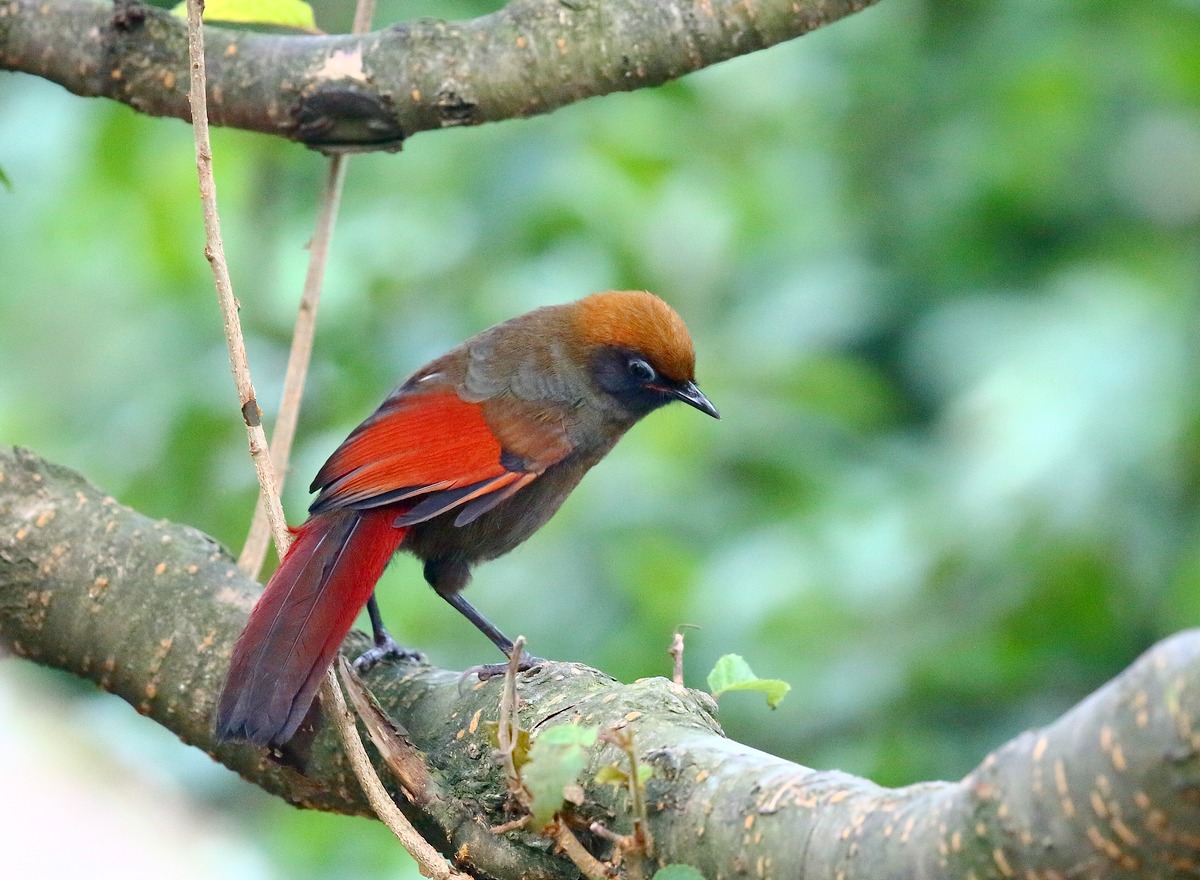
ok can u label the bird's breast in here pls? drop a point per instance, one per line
(506, 525)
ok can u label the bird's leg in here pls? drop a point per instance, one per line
(448, 579)
(386, 648)
(499, 639)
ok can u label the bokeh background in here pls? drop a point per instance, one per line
(941, 261)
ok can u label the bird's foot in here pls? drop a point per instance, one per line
(385, 648)
(493, 670)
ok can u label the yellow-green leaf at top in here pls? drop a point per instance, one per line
(733, 673)
(291, 14)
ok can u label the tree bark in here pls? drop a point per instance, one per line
(149, 610)
(370, 92)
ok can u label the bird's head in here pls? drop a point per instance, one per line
(640, 351)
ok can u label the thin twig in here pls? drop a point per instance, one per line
(430, 862)
(254, 552)
(214, 252)
(623, 844)
(641, 823)
(588, 864)
(511, 825)
(364, 11)
(421, 787)
(508, 729)
(602, 830)
(676, 651)
(391, 740)
(640, 843)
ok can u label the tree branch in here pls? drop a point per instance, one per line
(373, 91)
(149, 610)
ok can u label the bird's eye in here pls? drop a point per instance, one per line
(641, 371)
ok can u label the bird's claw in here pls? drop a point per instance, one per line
(384, 649)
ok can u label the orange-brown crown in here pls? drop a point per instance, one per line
(640, 322)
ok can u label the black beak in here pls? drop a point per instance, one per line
(693, 396)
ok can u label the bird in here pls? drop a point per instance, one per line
(462, 462)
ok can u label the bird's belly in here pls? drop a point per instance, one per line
(500, 529)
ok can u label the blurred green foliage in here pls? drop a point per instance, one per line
(942, 267)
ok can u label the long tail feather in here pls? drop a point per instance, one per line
(302, 617)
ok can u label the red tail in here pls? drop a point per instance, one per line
(295, 629)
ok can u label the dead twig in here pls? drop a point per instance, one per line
(430, 862)
(676, 651)
(215, 253)
(508, 728)
(588, 864)
(254, 551)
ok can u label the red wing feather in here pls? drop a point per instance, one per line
(417, 443)
(439, 451)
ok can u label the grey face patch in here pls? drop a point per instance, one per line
(477, 384)
(547, 374)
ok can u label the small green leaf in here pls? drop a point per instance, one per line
(677, 872)
(556, 759)
(569, 735)
(293, 14)
(611, 774)
(733, 673)
(5, 181)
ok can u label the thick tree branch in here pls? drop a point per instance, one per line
(149, 610)
(373, 91)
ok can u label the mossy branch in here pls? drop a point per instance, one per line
(370, 92)
(149, 611)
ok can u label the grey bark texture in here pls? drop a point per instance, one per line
(149, 611)
(370, 92)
